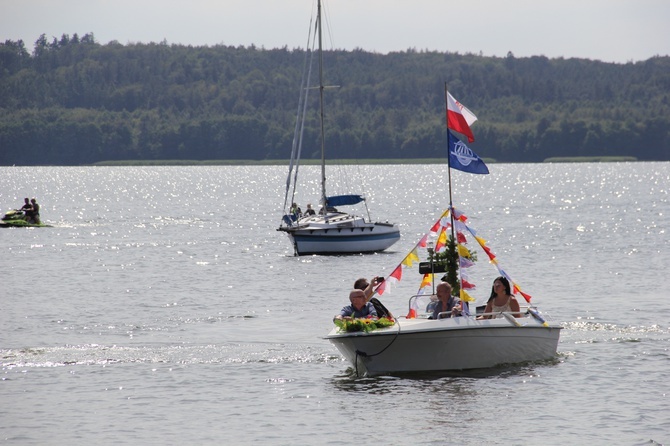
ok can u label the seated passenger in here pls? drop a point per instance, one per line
(368, 289)
(501, 300)
(29, 210)
(432, 304)
(309, 210)
(359, 308)
(34, 212)
(295, 211)
(26, 206)
(446, 303)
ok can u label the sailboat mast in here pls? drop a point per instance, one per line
(323, 133)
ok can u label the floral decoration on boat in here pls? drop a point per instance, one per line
(361, 324)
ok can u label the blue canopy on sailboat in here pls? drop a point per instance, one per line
(343, 200)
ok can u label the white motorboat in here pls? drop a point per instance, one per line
(330, 231)
(457, 343)
(417, 343)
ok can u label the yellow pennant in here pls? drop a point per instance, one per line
(411, 258)
(427, 281)
(463, 251)
(480, 240)
(465, 297)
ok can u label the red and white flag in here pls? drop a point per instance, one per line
(459, 118)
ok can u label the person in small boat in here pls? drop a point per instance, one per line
(36, 211)
(296, 211)
(368, 289)
(432, 304)
(359, 308)
(501, 300)
(26, 206)
(446, 303)
(33, 212)
(309, 210)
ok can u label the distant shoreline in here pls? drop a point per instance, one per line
(315, 162)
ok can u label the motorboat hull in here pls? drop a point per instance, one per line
(460, 343)
(340, 235)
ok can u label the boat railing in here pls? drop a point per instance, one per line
(419, 302)
(525, 311)
(505, 314)
(500, 313)
(414, 303)
(513, 317)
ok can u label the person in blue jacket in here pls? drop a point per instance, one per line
(359, 307)
(447, 305)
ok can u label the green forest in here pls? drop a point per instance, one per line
(74, 101)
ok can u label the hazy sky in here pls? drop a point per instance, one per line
(607, 30)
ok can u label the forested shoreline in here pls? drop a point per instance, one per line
(74, 101)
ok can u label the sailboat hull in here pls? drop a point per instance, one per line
(460, 343)
(340, 235)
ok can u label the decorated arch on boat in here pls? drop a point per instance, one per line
(437, 240)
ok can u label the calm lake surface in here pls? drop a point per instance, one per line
(163, 307)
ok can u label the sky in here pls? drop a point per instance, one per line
(608, 30)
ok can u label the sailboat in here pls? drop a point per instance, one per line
(425, 342)
(330, 231)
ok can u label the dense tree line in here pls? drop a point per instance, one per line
(75, 101)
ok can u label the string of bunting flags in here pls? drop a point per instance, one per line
(439, 230)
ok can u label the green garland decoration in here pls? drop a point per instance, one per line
(361, 324)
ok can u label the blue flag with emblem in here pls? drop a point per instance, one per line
(462, 158)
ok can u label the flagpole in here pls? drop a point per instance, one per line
(451, 204)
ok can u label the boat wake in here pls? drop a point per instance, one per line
(105, 355)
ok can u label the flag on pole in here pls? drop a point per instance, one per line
(461, 157)
(459, 118)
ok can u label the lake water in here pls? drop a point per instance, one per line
(163, 307)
